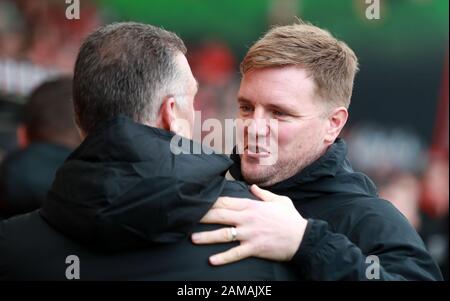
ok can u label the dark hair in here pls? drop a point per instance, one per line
(125, 68)
(49, 115)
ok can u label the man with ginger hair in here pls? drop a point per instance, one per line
(317, 213)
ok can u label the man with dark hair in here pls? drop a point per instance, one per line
(48, 135)
(130, 69)
(123, 204)
(49, 115)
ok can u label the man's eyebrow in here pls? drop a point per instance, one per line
(243, 99)
(280, 107)
(275, 105)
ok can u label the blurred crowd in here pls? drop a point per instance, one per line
(38, 48)
(37, 42)
(37, 31)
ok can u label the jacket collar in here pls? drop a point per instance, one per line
(330, 174)
(327, 165)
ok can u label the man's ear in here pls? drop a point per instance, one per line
(166, 114)
(336, 121)
(22, 136)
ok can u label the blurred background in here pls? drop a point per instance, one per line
(399, 118)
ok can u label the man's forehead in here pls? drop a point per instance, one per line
(276, 83)
(285, 75)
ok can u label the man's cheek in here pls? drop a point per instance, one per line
(283, 143)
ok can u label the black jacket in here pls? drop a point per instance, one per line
(347, 222)
(125, 205)
(27, 175)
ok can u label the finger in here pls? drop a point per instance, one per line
(231, 203)
(235, 254)
(211, 237)
(262, 194)
(221, 216)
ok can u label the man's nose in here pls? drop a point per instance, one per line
(258, 125)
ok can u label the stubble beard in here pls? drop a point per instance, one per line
(268, 175)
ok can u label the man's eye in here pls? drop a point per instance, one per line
(245, 108)
(279, 113)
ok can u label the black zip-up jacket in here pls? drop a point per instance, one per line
(125, 205)
(347, 223)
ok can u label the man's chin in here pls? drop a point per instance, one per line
(255, 173)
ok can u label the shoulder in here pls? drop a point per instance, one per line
(21, 233)
(360, 209)
(379, 212)
(30, 249)
(14, 234)
(376, 208)
(20, 223)
(372, 221)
